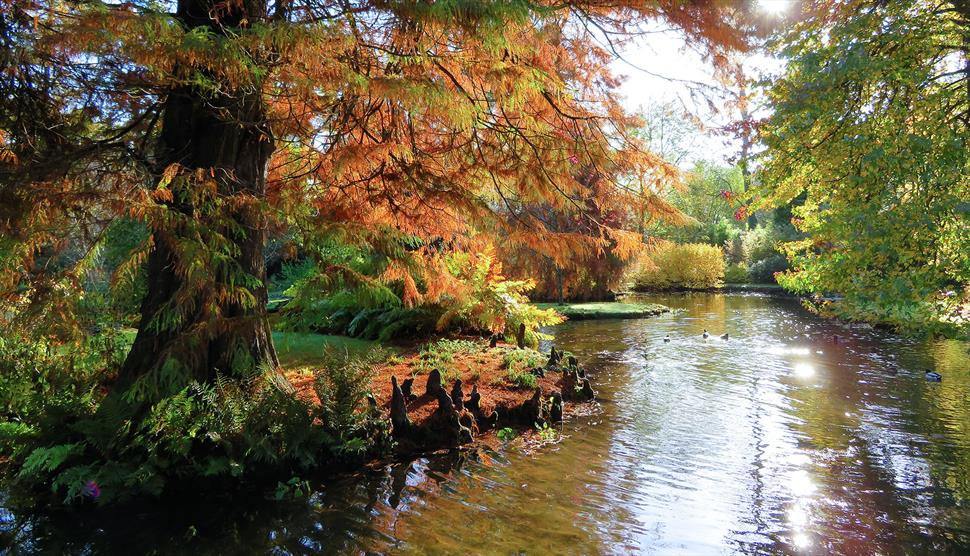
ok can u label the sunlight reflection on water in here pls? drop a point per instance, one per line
(776, 441)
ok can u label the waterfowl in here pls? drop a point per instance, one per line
(706, 335)
(667, 339)
(934, 376)
(724, 336)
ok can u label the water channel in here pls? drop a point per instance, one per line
(777, 441)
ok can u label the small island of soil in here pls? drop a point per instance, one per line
(477, 391)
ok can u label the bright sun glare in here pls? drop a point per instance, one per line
(773, 7)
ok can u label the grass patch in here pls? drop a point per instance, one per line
(297, 349)
(605, 310)
(440, 355)
(307, 350)
(521, 379)
(517, 363)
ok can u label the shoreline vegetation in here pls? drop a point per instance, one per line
(450, 392)
(770, 289)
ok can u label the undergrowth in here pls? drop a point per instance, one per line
(66, 431)
(518, 363)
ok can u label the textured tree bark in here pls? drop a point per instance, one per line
(227, 137)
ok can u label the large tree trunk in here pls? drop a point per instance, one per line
(224, 139)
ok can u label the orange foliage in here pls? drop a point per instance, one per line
(444, 121)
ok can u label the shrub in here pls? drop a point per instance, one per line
(736, 274)
(690, 265)
(491, 302)
(352, 426)
(479, 299)
(763, 271)
(43, 383)
(759, 243)
(734, 250)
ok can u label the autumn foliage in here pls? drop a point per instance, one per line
(221, 123)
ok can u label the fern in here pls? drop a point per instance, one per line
(45, 460)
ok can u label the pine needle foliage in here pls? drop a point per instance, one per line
(215, 124)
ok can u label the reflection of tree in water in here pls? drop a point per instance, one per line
(867, 427)
(942, 424)
(888, 453)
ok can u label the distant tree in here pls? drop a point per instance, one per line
(670, 132)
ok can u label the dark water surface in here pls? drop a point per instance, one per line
(778, 441)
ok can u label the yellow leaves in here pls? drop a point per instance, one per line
(690, 265)
(162, 193)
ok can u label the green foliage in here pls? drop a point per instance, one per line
(491, 302)
(521, 379)
(547, 433)
(518, 363)
(692, 266)
(225, 430)
(293, 488)
(765, 271)
(506, 434)
(605, 310)
(709, 200)
(290, 273)
(753, 255)
(869, 127)
(351, 424)
(43, 383)
(736, 274)
(759, 243)
(440, 354)
(482, 301)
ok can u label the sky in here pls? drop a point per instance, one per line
(659, 67)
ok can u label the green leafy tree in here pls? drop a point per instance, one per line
(870, 127)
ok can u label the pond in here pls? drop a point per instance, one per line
(779, 440)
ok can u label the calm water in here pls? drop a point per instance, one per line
(775, 442)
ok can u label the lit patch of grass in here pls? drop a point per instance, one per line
(522, 359)
(440, 354)
(307, 350)
(605, 310)
(521, 379)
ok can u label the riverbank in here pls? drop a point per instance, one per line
(681, 428)
(768, 289)
(450, 392)
(487, 386)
